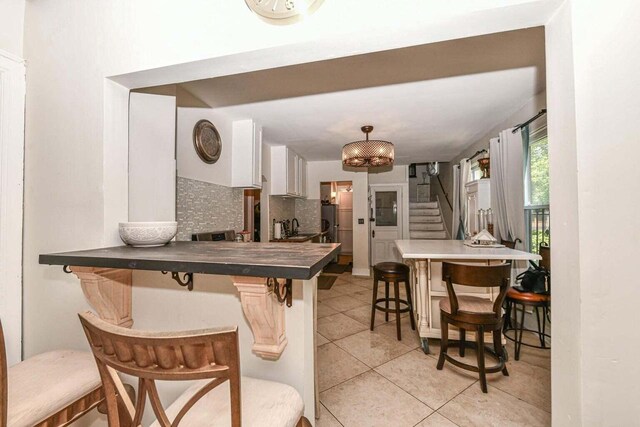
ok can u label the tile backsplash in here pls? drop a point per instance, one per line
(202, 207)
(308, 213)
(280, 208)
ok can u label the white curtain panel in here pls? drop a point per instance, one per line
(465, 177)
(498, 201)
(507, 184)
(455, 220)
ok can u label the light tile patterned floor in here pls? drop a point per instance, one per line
(371, 379)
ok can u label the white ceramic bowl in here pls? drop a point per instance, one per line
(148, 234)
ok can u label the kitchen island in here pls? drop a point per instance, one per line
(425, 258)
(266, 276)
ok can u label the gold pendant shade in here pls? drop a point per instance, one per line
(368, 153)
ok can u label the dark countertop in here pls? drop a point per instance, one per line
(300, 238)
(282, 260)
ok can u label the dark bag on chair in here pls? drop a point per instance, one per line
(536, 279)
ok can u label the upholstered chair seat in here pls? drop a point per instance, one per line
(264, 404)
(48, 383)
(468, 304)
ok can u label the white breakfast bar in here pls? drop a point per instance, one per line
(425, 258)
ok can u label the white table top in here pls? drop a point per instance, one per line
(456, 249)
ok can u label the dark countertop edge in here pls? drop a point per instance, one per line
(293, 272)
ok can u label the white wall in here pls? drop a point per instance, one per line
(332, 171)
(566, 364)
(398, 174)
(76, 144)
(606, 57)
(189, 164)
(152, 160)
(12, 26)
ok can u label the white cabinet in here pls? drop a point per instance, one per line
(288, 173)
(478, 197)
(246, 157)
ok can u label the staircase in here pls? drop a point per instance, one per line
(425, 221)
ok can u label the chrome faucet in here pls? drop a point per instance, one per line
(294, 227)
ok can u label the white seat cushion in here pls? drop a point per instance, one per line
(469, 304)
(43, 385)
(264, 404)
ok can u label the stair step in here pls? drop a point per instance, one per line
(423, 205)
(424, 219)
(426, 226)
(428, 234)
(424, 212)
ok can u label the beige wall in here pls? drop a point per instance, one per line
(12, 26)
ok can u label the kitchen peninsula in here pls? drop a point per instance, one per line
(263, 274)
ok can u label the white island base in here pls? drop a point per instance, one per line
(425, 258)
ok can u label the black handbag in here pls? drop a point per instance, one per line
(536, 279)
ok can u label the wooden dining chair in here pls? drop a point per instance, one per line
(473, 313)
(220, 398)
(48, 390)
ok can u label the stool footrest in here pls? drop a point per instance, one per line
(392, 310)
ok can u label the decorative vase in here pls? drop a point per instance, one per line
(485, 167)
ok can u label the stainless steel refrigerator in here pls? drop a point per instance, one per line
(329, 215)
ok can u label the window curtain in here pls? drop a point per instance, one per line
(455, 221)
(461, 176)
(507, 185)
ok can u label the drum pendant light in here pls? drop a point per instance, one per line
(368, 153)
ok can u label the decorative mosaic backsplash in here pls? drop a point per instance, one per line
(308, 214)
(202, 207)
(280, 208)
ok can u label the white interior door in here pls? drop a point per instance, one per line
(152, 157)
(12, 92)
(386, 215)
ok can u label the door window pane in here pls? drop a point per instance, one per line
(386, 208)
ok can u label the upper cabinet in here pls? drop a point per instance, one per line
(288, 173)
(478, 197)
(246, 158)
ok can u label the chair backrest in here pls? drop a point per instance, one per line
(509, 244)
(149, 356)
(4, 392)
(484, 276)
(545, 253)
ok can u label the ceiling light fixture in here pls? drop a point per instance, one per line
(368, 153)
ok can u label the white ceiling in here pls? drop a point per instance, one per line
(431, 101)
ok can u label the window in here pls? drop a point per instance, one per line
(476, 173)
(537, 212)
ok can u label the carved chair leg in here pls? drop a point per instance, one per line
(463, 341)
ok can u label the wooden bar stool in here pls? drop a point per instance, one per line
(391, 272)
(48, 390)
(530, 299)
(220, 398)
(473, 313)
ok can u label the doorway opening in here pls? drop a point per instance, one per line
(337, 216)
(387, 225)
(251, 215)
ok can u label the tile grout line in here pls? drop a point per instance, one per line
(332, 414)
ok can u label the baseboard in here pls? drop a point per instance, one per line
(361, 272)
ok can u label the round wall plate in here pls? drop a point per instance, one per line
(283, 11)
(206, 141)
